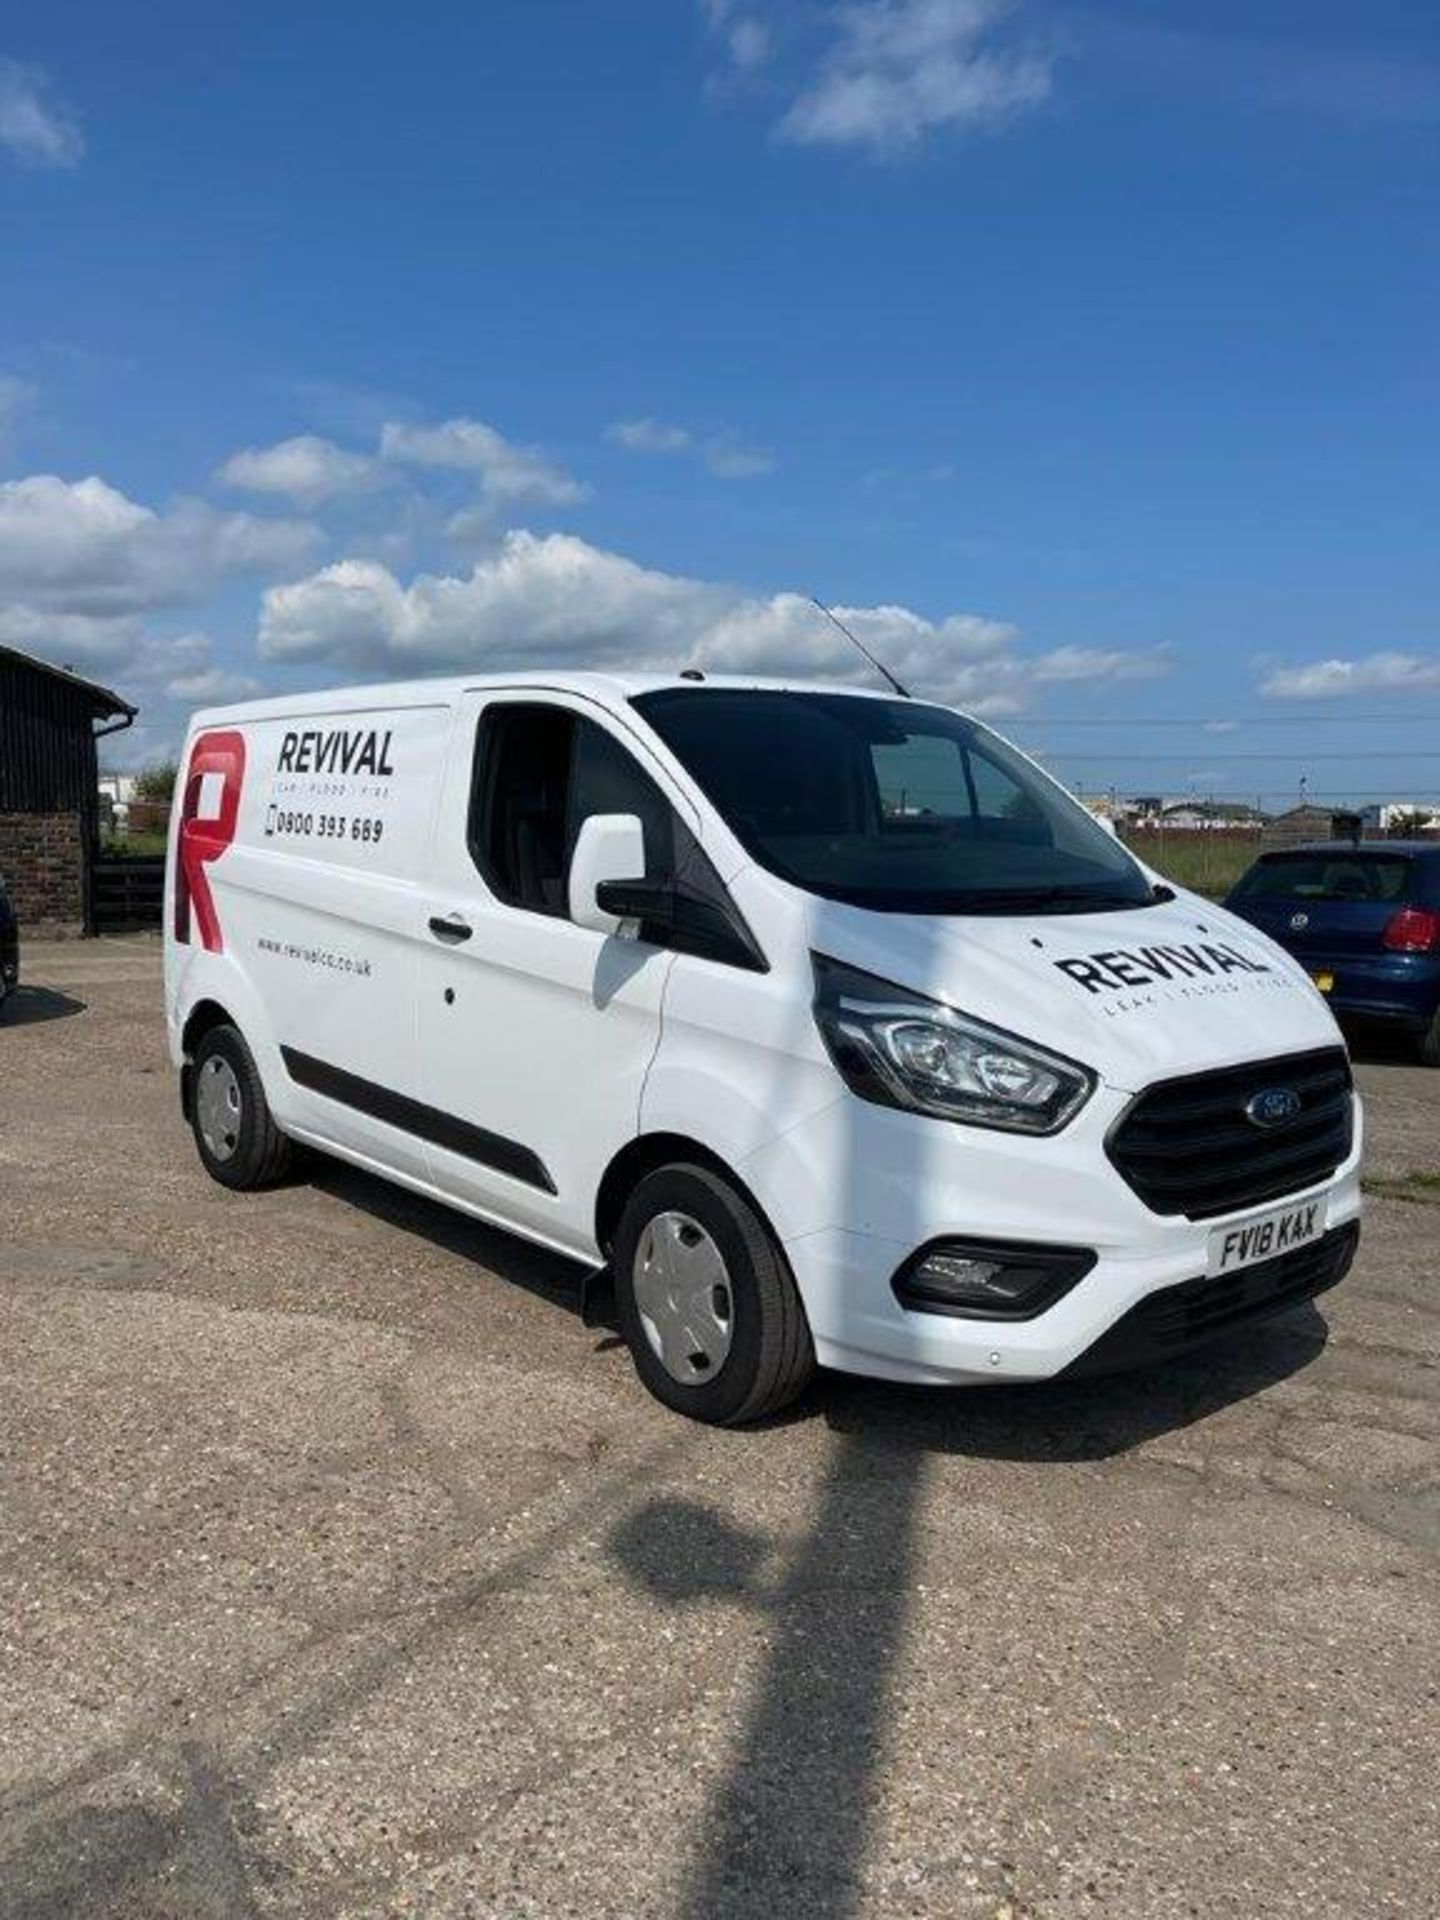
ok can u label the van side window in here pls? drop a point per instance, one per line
(540, 772)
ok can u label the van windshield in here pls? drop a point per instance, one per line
(890, 804)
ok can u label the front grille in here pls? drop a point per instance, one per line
(1187, 1146)
(1166, 1323)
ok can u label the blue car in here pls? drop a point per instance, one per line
(1364, 920)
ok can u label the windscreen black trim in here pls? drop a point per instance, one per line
(431, 1124)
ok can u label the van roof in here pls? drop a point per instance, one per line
(607, 689)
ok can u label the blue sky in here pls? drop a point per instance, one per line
(1085, 356)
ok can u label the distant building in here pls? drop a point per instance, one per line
(49, 789)
(1304, 823)
(1201, 815)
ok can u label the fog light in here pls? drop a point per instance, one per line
(989, 1280)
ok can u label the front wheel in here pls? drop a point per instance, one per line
(235, 1132)
(707, 1303)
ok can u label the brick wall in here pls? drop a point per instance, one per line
(42, 856)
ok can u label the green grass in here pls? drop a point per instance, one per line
(1419, 1189)
(135, 844)
(1208, 863)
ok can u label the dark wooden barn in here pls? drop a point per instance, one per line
(50, 720)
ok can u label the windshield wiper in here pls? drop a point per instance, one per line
(1010, 899)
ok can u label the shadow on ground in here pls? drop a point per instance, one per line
(1374, 1043)
(29, 1006)
(1089, 1419)
(788, 1828)
(549, 1276)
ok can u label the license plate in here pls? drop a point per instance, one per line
(1324, 981)
(1266, 1235)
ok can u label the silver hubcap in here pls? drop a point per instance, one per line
(683, 1297)
(217, 1107)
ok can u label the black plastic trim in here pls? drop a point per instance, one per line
(1202, 1158)
(1174, 1320)
(440, 1129)
(1070, 1264)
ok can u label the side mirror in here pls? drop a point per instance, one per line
(609, 847)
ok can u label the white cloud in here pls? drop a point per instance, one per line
(16, 398)
(743, 34)
(84, 548)
(1101, 663)
(899, 69)
(82, 640)
(724, 454)
(507, 474)
(648, 435)
(211, 686)
(558, 601)
(36, 125)
(1371, 673)
(306, 469)
(749, 44)
(167, 676)
(551, 600)
(729, 458)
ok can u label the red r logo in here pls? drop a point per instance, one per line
(208, 819)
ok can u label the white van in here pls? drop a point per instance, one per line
(826, 1020)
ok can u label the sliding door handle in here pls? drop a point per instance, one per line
(450, 927)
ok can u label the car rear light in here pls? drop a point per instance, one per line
(1413, 930)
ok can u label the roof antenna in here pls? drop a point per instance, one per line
(878, 665)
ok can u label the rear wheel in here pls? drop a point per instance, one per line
(1430, 1043)
(236, 1135)
(707, 1302)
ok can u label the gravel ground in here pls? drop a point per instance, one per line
(344, 1572)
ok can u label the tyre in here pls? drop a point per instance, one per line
(236, 1136)
(1430, 1043)
(707, 1303)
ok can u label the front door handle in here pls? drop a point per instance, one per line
(451, 927)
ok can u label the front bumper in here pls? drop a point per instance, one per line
(907, 1181)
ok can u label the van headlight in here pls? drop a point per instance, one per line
(902, 1050)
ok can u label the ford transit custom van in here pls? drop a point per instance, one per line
(825, 1020)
